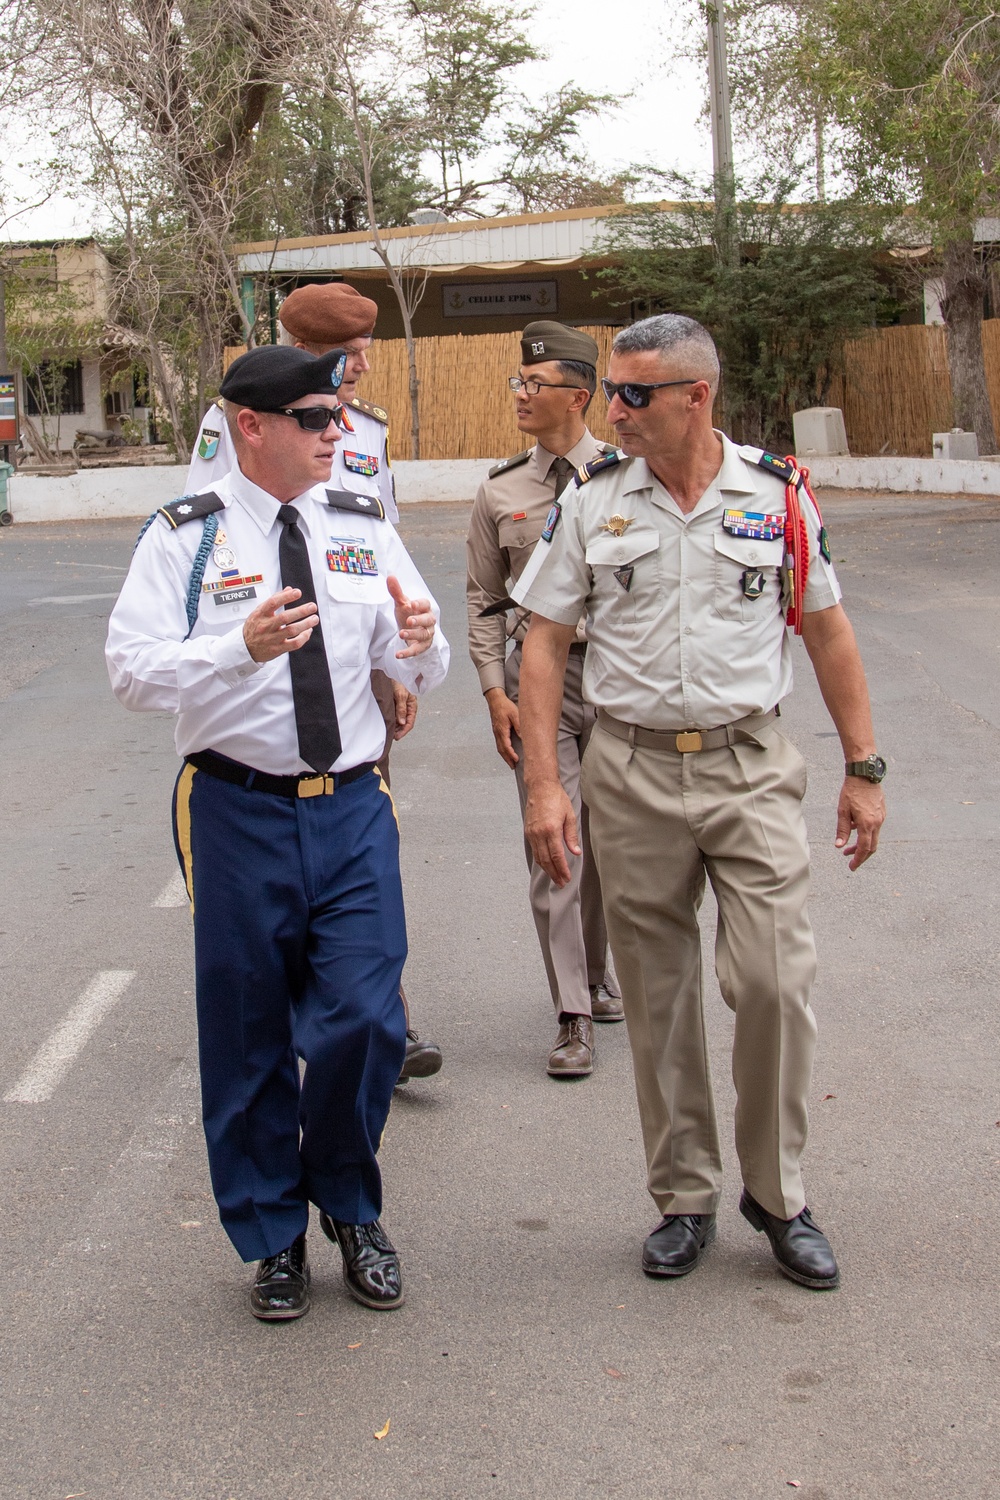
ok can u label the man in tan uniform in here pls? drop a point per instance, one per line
(680, 555)
(553, 390)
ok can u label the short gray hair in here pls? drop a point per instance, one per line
(673, 336)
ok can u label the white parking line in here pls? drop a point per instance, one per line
(70, 598)
(174, 892)
(56, 1056)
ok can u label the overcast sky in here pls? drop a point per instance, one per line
(620, 49)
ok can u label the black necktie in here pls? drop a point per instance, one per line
(312, 690)
(562, 469)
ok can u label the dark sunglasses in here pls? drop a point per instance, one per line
(309, 418)
(637, 395)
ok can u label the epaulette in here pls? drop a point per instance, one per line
(781, 468)
(378, 412)
(514, 462)
(190, 508)
(362, 505)
(586, 472)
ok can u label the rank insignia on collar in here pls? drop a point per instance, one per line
(624, 576)
(617, 525)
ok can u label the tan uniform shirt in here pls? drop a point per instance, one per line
(673, 640)
(507, 519)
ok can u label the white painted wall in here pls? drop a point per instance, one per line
(100, 494)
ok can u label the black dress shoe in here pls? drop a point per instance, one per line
(800, 1247)
(371, 1265)
(422, 1060)
(281, 1287)
(677, 1244)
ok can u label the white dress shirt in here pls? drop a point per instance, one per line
(224, 700)
(363, 445)
(673, 640)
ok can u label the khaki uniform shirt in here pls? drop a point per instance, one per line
(674, 643)
(507, 519)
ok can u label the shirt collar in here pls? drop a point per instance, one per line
(733, 477)
(262, 506)
(581, 453)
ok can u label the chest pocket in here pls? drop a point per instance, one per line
(518, 539)
(735, 555)
(626, 572)
(353, 606)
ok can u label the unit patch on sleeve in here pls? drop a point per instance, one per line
(208, 443)
(551, 521)
(350, 555)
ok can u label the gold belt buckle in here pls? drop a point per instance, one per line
(315, 786)
(687, 742)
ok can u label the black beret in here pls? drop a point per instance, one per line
(545, 340)
(276, 375)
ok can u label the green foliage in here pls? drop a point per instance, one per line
(802, 283)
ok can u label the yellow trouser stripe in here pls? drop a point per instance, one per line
(384, 788)
(183, 815)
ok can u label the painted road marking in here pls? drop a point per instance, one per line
(56, 1056)
(70, 598)
(174, 892)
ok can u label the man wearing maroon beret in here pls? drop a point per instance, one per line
(318, 318)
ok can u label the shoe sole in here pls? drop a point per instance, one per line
(651, 1270)
(570, 1072)
(814, 1283)
(280, 1317)
(421, 1066)
(352, 1291)
(606, 1020)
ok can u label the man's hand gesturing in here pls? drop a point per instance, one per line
(275, 628)
(415, 619)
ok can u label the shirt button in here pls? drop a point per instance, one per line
(687, 629)
(751, 557)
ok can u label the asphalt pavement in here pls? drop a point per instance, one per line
(532, 1357)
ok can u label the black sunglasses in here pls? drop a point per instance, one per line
(637, 395)
(309, 418)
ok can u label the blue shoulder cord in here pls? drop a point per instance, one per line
(198, 566)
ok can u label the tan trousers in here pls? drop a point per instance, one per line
(659, 822)
(569, 922)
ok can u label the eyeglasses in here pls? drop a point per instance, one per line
(309, 418)
(634, 395)
(532, 387)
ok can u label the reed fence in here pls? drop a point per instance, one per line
(896, 391)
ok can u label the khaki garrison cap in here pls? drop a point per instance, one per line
(546, 340)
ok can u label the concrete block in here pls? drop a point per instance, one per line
(955, 444)
(820, 431)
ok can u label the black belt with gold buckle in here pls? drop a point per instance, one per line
(224, 769)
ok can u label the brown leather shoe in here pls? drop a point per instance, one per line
(606, 1001)
(573, 1054)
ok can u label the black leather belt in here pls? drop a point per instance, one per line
(278, 786)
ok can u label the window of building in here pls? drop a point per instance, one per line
(55, 389)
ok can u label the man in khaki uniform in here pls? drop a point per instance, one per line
(678, 555)
(553, 390)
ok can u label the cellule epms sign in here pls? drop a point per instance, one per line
(493, 299)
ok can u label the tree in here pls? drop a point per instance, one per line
(914, 91)
(781, 311)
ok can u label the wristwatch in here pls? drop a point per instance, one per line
(872, 769)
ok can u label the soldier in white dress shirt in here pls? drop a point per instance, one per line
(256, 612)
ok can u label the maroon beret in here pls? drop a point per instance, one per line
(330, 313)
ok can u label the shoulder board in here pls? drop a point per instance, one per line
(378, 412)
(190, 508)
(769, 462)
(586, 472)
(361, 505)
(513, 462)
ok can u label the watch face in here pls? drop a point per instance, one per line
(878, 767)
